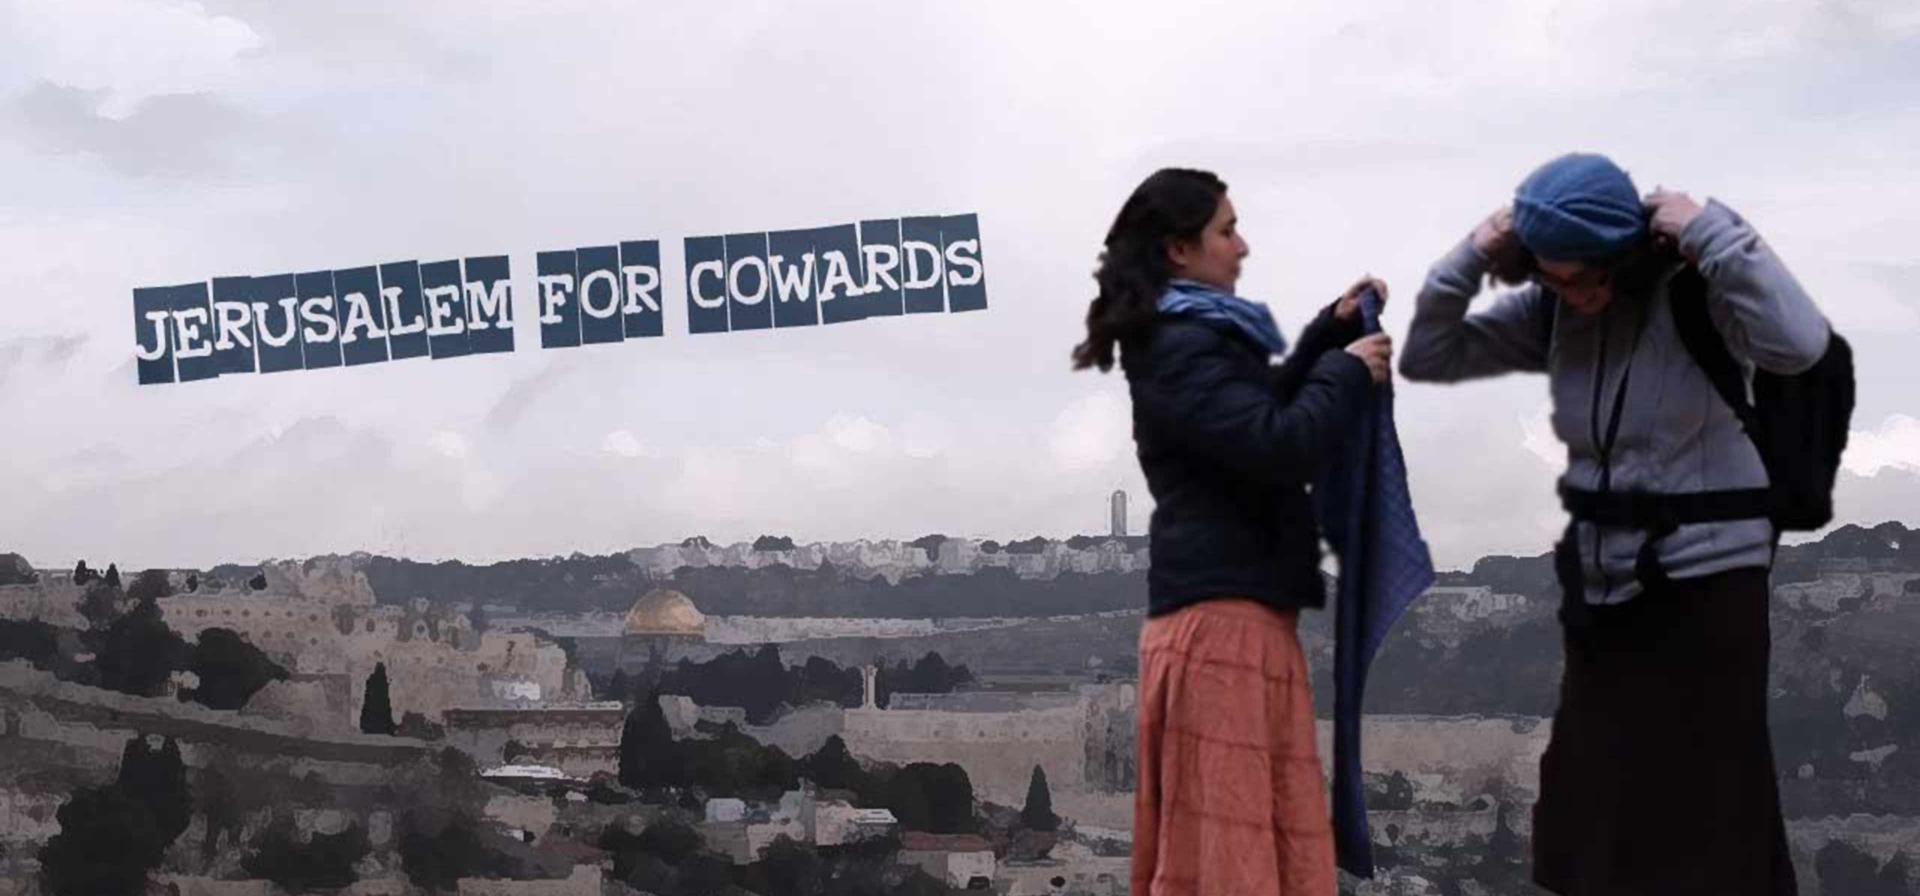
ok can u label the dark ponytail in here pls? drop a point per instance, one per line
(1171, 204)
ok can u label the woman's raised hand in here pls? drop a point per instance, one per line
(1376, 351)
(1348, 308)
(1494, 236)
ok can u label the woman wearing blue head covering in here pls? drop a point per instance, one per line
(1659, 776)
(1230, 797)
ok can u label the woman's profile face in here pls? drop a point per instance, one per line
(1214, 256)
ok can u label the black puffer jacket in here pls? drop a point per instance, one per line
(1229, 444)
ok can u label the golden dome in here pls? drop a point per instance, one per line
(663, 612)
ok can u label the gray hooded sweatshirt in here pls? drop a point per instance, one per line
(1675, 433)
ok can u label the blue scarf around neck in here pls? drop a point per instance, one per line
(1191, 298)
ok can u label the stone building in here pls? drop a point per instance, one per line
(579, 739)
(27, 816)
(963, 861)
(55, 603)
(806, 816)
(1111, 555)
(1112, 714)
(999, 737)
(838, 821)
(434, 659)
(584, 880)
(894, 560)
(321, 621)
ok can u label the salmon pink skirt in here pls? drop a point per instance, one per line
(1230, 798)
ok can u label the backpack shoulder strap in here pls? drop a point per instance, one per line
(1687, 297)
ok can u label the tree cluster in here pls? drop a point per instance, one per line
(111, 836)
(759, 682)
(924, 796)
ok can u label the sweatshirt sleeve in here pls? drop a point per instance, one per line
(1446, 344)
(1192, 395)
(1758, 306)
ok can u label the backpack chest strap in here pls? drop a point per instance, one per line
(1658, 515)
(1661, 513)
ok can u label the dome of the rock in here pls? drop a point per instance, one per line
(664, 612)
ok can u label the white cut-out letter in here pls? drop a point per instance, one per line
(442, 302)
(159, 321)
(359, 317)
(321, 327)
(733, 280)
(715, 269)
(963, 254)
(792, 282)
(191, 342)
(260, 313)
(232, 319)
(586, 294)
(915, 250)
(642, 280)
(488, 308)
(395, 325)
(837, 276)
(881, 260)
(554, 290)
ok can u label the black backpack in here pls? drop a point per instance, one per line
(1798, 423)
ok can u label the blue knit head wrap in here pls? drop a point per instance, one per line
(1579, 207)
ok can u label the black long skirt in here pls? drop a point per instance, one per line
(1659, 777)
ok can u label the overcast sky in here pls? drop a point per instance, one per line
(153, 142)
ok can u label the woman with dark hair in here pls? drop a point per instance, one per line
(1659, 776)
(1230, 796)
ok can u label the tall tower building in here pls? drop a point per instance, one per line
(1119, 511)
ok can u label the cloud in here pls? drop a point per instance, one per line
(1091, 432)
(35, 355)
(1890, 495)
(126, 51)
(449, 444)
(526, 394)
(1253, 161)
(851, 476)
(1898, 282)
(858, 434)
(624, 444)
(1594, 48)
(252, 136)
(1539, 439)
(1895, 445)
(186, 134)
(924, 435)
(1481, 473)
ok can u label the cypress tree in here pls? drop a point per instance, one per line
(376, 711)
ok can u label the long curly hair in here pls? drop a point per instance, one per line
(1171, 204)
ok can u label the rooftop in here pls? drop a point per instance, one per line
(921, 841)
